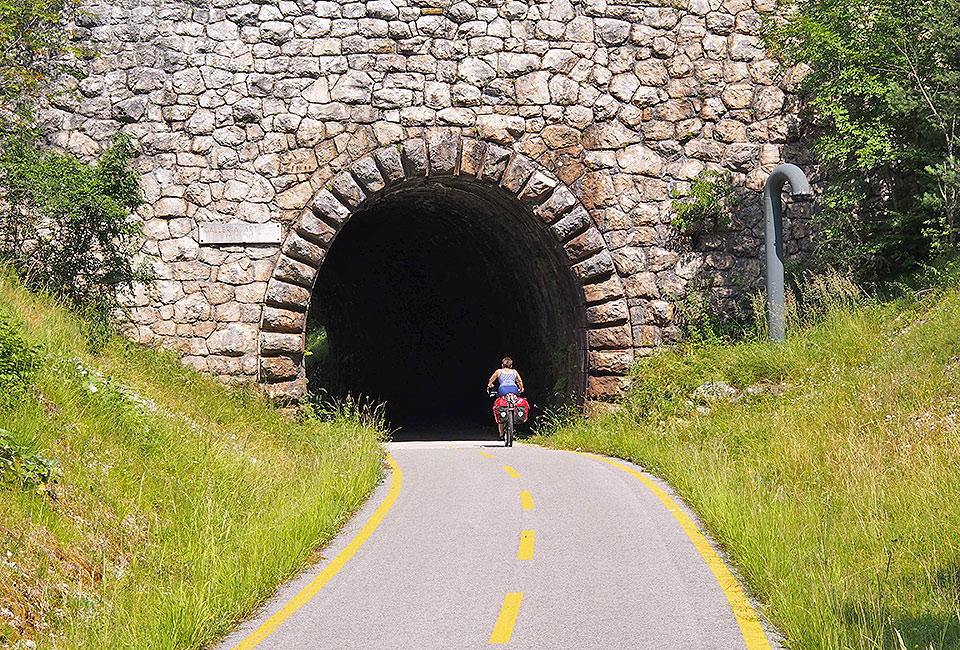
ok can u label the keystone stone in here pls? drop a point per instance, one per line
(471, 157)
(414, 157)
(443, 148)
(495, 162)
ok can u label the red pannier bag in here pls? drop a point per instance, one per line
(500, 409)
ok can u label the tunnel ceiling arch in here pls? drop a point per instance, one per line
(456, 171)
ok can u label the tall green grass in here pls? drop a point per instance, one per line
(182, 503)
(831, 478)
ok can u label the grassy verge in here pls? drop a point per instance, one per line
(830, 476)
(180, 504)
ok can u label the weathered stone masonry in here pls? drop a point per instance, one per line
(589, 113)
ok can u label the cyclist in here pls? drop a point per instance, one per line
(508, 381)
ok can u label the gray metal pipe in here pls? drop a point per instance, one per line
(773, 219)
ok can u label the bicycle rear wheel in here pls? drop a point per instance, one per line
(508, 430)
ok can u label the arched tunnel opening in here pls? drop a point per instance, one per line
(425, 290)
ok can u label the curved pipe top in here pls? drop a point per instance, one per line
(788, 173)
(773, 231)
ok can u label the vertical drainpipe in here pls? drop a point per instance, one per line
(773, 219)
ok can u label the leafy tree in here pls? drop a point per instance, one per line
(66, 225)
(34, 48)
(881, 91)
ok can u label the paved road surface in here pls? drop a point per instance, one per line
(556, 550)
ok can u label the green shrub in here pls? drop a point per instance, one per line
(66, 226)
(22, 469)
(17, 359)
(880, 90)
(707, 205)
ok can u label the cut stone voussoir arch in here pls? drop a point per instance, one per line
(445, 153)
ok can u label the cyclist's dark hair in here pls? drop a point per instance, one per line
(507, 362)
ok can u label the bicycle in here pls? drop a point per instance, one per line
(510, 409)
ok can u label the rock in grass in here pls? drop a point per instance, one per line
(714, 391)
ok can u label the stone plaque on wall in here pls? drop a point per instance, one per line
(239, 233)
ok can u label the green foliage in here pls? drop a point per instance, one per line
(829, 475)
(706, 319)
(321, 407)
(17, 360)
(66, 225)
(707, 205)
(25, 470)
(316, 345)
(181, 504)
(882, 94)
(35, 49)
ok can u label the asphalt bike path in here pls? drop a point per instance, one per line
(471, 544)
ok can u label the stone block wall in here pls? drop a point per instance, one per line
(245, 111)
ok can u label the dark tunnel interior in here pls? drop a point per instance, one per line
(426, 289)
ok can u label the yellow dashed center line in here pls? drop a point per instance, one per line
(509, 470)
(526, 501)
(483, 453)
(503, 629)
(526, 545)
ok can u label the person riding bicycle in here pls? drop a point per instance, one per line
(508, 381)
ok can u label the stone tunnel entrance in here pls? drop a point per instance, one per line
(427, 287)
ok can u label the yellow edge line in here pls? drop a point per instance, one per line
(526, 545)
(512, 472)
(503, 629)
(746, 617)
(483, 453)
(526, 500)
(331, 569)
